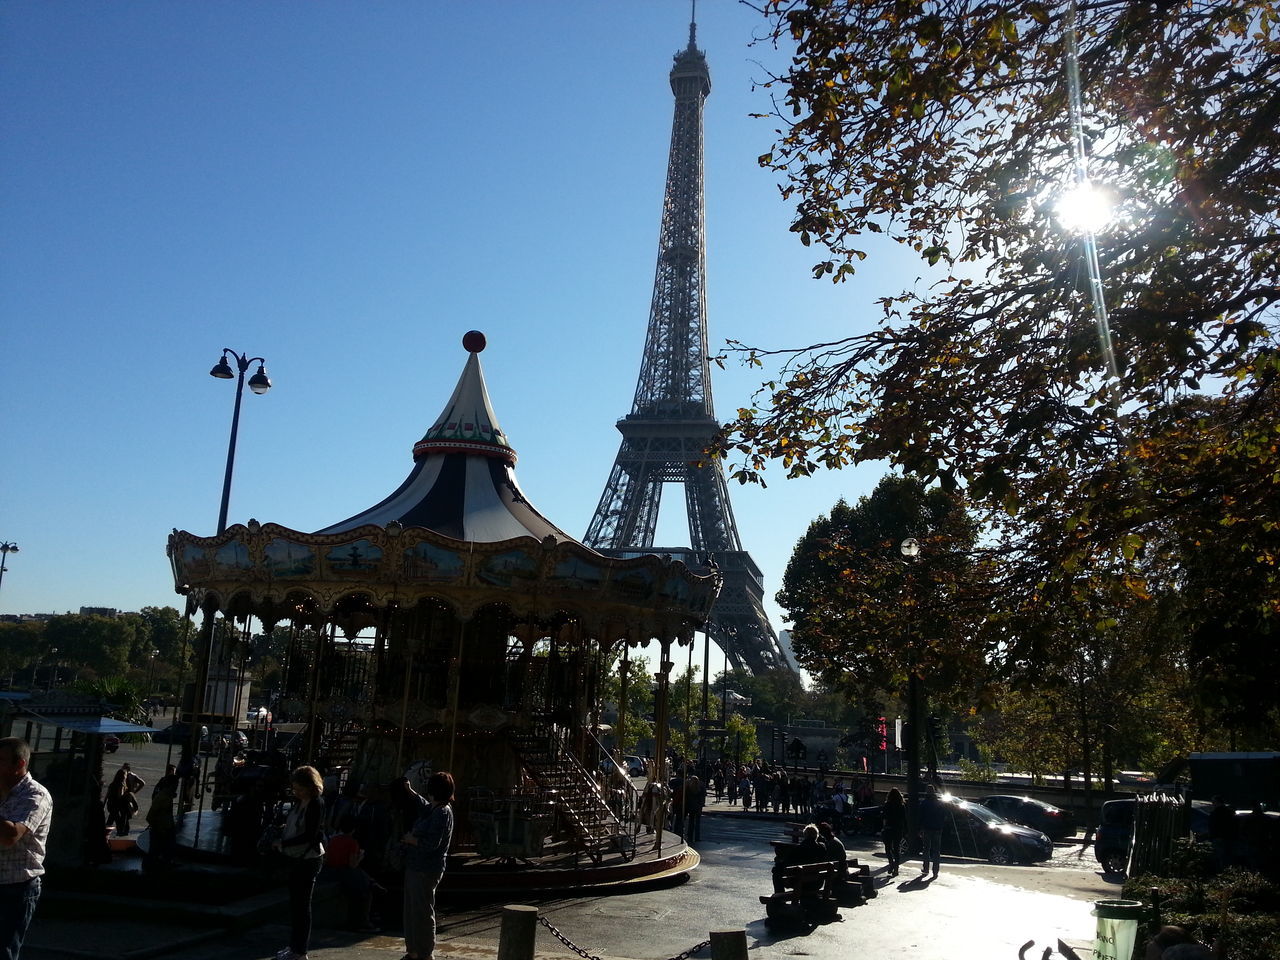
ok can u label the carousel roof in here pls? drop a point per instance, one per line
(458, 530)
(463, 483)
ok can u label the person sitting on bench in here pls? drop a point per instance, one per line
(836, 852)
(808, 850)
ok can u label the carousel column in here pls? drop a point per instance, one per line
(410, 644)
(455, 684)
(204, 651)
(623, 670)
(660, 739)
(313, 720)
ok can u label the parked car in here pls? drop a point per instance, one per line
(633, 766)
(180, 733)
(972, 830)
(110, 743)
(1056, 823)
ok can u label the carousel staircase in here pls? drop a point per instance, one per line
(339, 749)
(594, 828)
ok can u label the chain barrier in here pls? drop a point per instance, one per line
(588, 956)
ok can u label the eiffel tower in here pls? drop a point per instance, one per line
(672, 420)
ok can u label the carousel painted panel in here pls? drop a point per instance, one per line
(360, 560)
(426, 561)
(285, 560)
(231, 559)
(193, 564)
(577, 574)
(511, 568)
(635, 585)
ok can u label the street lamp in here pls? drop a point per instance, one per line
(910, 550)
(6, 548)
(151, 671)
(53, 653)
(258, 383)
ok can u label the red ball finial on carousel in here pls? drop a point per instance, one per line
(473, 341)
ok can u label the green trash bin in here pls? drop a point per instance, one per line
(1118, 922)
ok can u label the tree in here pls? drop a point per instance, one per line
(864, 620)
(776, 695)
(945, 125)
(639, 706)
(99, 644)
(20, 645)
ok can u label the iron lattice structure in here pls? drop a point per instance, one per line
(672, 419)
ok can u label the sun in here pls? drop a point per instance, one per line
(1085, 208)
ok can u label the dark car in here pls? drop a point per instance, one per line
(180, 733)
(971, 830)
(1115, 831)
(110, 743)
(1054, 822)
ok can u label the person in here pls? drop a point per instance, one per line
(676, 812)
(836, 853)
(160, 819)
(809, 850)
(121, 803)
(428, 843)
(25, 811)
(893, 825)
(303, 843)
(695, 798)
(1174, 943)
(932, 816)
(839, 802)
(342, 860)
(187, 770)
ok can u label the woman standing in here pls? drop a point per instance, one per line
(428, 845)
(894, 823)
(303, 843)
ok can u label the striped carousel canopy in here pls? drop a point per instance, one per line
(463, 482)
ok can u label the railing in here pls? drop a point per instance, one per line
(630, 802)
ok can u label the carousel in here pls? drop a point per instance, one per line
(452, 626)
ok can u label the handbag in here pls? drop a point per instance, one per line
(269, 837)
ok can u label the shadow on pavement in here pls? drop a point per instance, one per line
(915, 884)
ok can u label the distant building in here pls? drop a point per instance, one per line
(784, 641)
(109, 612)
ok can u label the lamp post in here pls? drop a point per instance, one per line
(6, 548)
(53, 654)
(910, 550)
(151, 671)
(259, 384)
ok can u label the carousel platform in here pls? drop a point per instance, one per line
(558, 867)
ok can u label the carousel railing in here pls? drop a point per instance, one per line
(620, 793)
(579, 802)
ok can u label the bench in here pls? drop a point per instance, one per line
(856, 875)
(806, 886)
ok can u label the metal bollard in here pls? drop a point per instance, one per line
(728, 945)
(520, 931)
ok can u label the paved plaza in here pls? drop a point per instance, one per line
(974, 911)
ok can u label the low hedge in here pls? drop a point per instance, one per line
(1239, 906)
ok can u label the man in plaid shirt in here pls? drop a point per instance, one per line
(25, 811)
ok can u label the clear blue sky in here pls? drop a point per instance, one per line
(345, 189)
